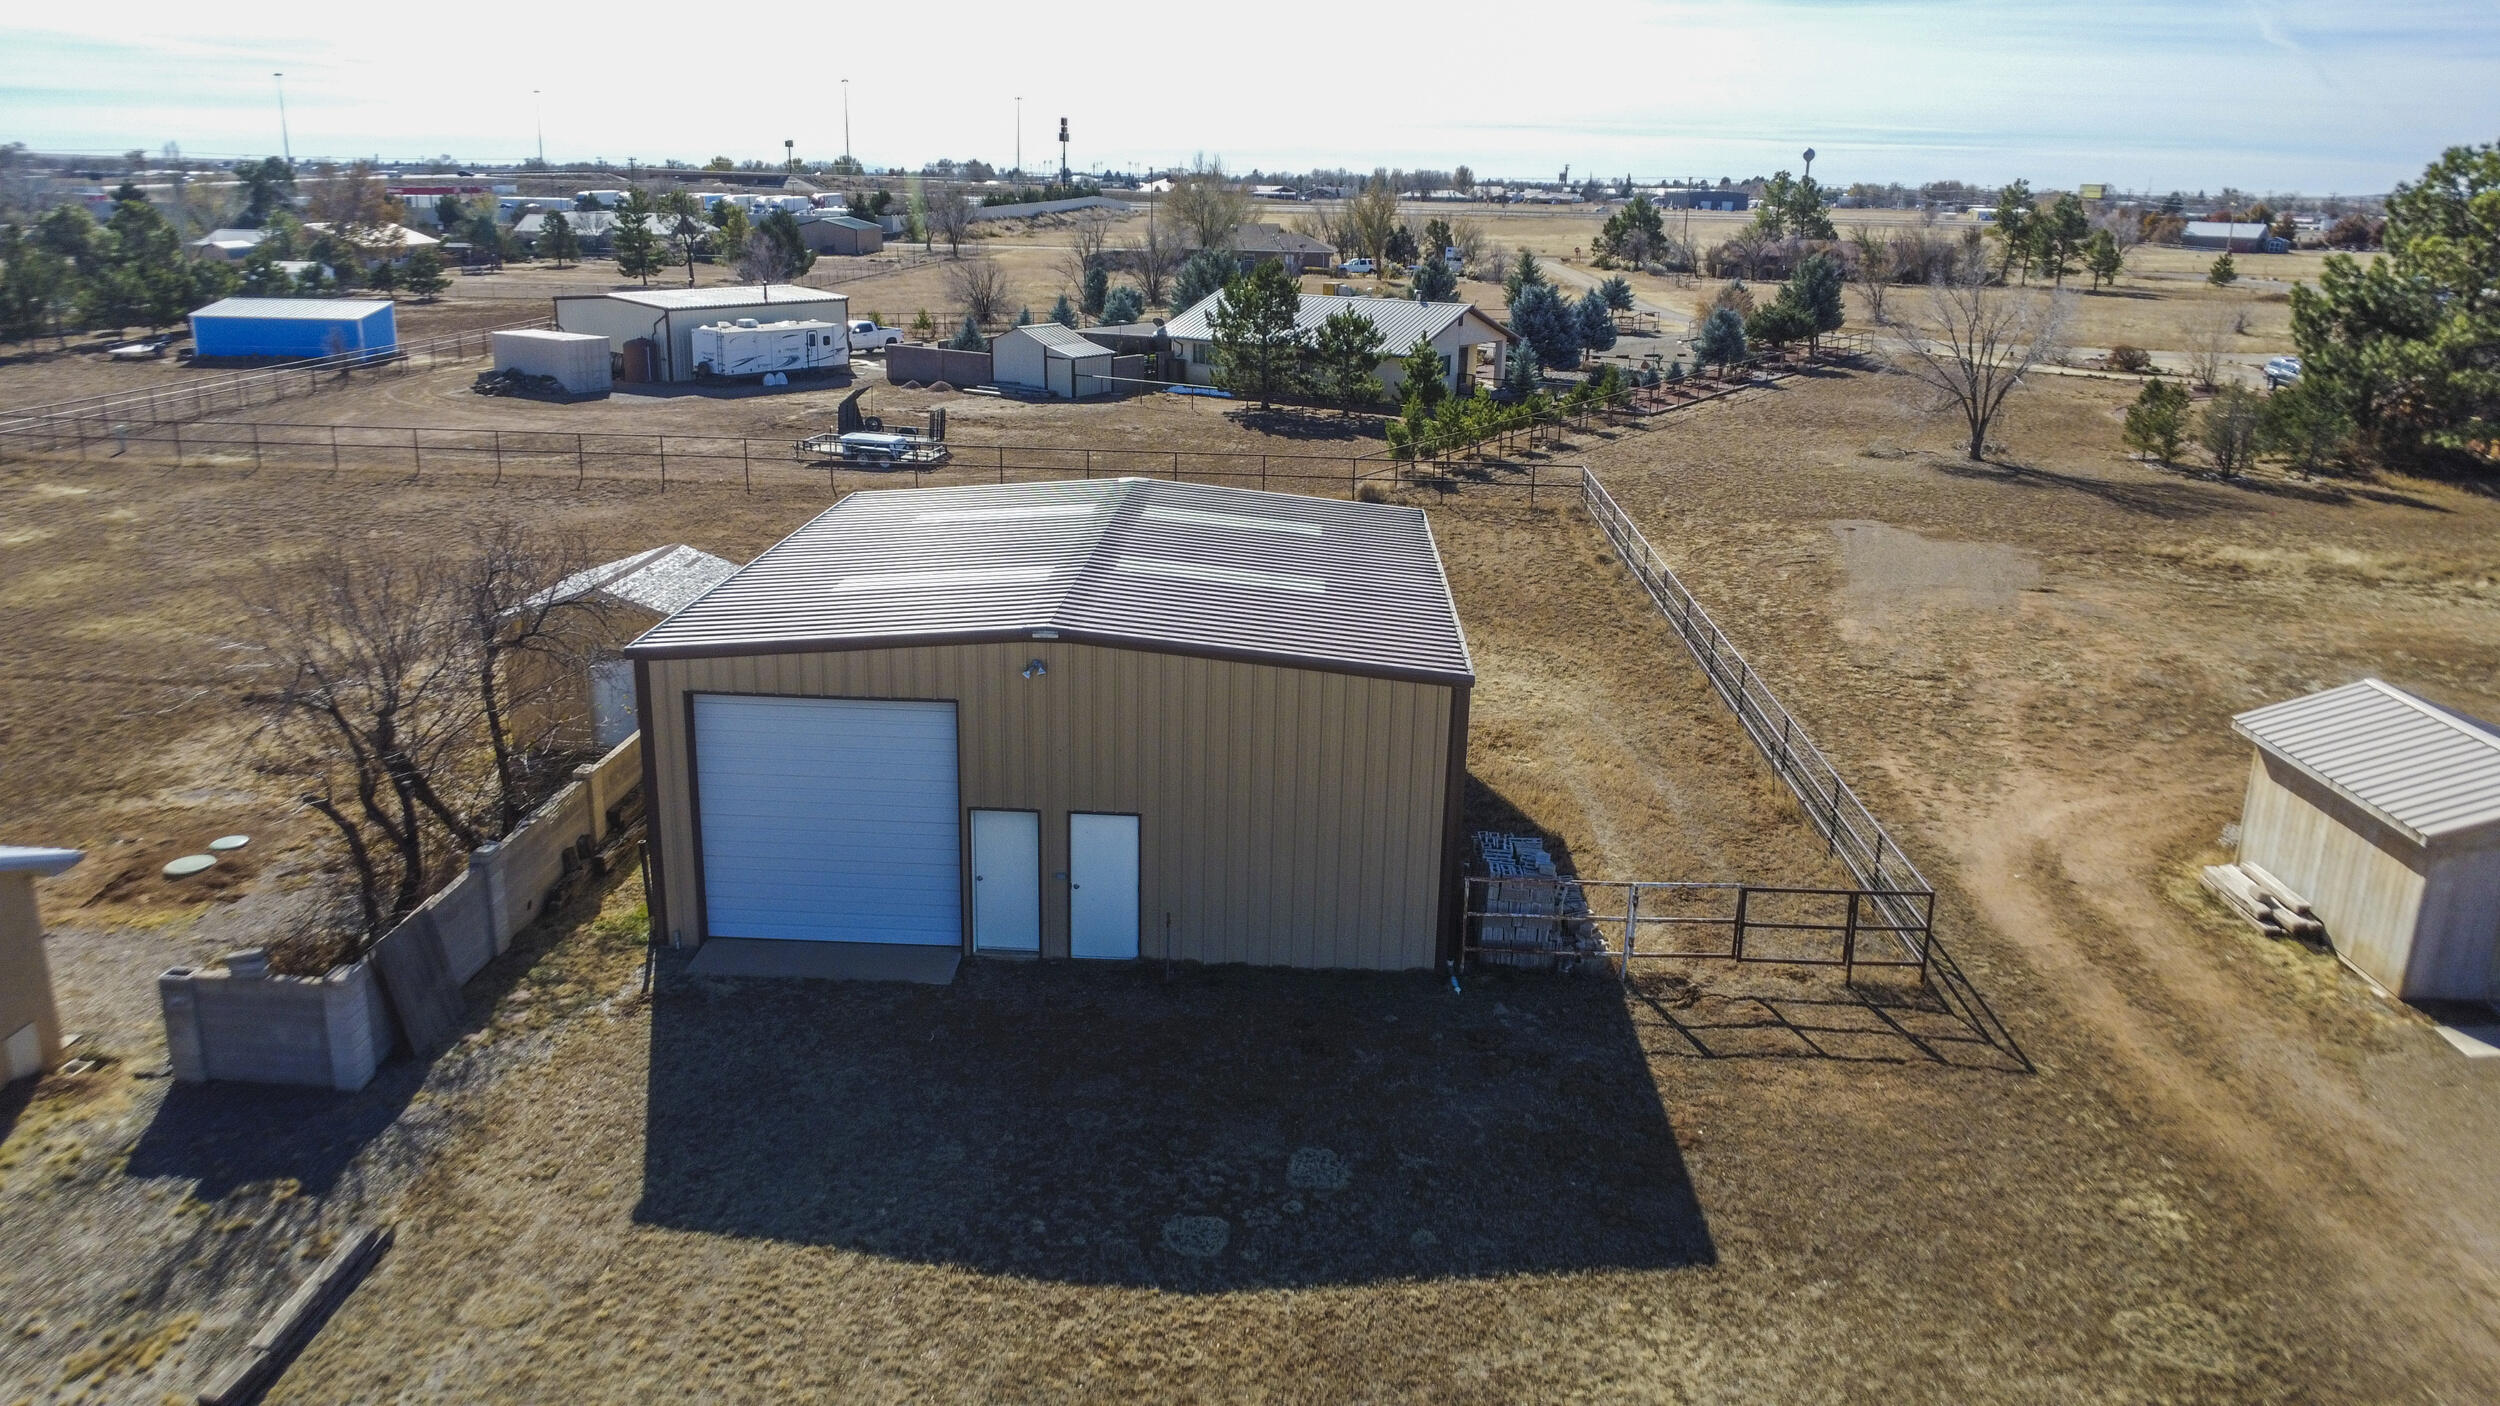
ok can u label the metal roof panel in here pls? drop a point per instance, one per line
(2427, 770)
(1319, 582)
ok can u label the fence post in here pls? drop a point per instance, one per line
(1832, 831)
(1737, 948)
(663, 463)
(499, 457)
(177, 444)
(1631, 926)
(581, 463)
(416, 453)
(1849, 943)
(334, 450)
(256, 446)
(746, 464)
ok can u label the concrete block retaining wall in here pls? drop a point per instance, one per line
(334, 1031)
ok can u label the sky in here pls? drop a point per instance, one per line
(2320, 98)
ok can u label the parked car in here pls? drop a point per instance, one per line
(1356, 266)
(2282, 371)
(867, 335)
(146, 349)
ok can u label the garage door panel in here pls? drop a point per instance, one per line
(829, 820)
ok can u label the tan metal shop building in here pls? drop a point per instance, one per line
(1113, 719)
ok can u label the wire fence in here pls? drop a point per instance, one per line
(1899, 896)
(411, 453)
(88, 419)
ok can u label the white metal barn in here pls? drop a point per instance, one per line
(2383, 811)
(577, 360)
(666, 317)
(1052, 358)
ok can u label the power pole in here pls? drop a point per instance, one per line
(538, 112)
(1063, 151)
(1019, 138)
(286, 143)
(846, 123)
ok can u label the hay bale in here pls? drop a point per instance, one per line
(942, 387)
(909, 386)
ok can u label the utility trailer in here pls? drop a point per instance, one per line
(748, 348)
(875, 447)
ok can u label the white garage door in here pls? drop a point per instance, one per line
(828, 820)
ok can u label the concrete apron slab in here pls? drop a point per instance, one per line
(833, 961)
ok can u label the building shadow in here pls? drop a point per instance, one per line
(1188, 1128)
(225, 1135)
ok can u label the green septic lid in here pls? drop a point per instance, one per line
(226, 842)
(189, 865)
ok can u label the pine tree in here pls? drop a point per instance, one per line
(1434, 281)
(1814, 290)
(639, 251)
(1123, 305)
(1258, 347)
(1202, 275)
(1617, 292)
(1597, 321)
(1097, 289)
(556, 239)
(1419, 375)
(1345, 359)
(1520, 375)
(1541, 318)
(2224, 273)
(1524, 275)
(2157, 423)
(1024, 317)
(1063, 312)
(968, 337)
(1722, 340)
(424, 276)
(2101, 258)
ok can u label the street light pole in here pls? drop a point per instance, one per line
(1019, 137)
(538, 113)
(846, 122)
(286, 143)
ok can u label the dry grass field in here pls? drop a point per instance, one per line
(2230, 1173)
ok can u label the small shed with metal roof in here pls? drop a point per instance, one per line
(663, 319)
(296, 329)
(1469, 342)
(1045, 356)
(1086, 719)
(830, 232)
(2381, 809)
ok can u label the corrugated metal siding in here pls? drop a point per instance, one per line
(2363, 876)
(1308, 580)
(2427, 771)
(1288, 817)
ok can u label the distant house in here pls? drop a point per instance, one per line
(231, 246)
(1467, 340)
(2231, 238)
(1048, 357)
(832, 232)
(1298, 252)
(380, 243)
(593, 230)
(1701, 198)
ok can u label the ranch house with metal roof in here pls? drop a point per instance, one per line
(2382, 810)
(1469, 342)
(1113, 719)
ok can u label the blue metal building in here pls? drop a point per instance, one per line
(293, 328)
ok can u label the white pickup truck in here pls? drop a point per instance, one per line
(866, 334)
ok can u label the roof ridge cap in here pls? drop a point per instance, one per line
(2436, 713)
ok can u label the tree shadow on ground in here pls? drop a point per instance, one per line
(1289, 422)
(2176, 502)
(1200, 1129)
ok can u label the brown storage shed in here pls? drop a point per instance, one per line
(1113, 718)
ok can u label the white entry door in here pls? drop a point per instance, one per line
(828, 819)
(1006, 881)
(1102, 886)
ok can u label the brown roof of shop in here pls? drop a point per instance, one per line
(1193, 568)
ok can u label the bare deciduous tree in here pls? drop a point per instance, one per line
(1873, 270)
(1375, 216)
(950, 218)
(1467, 237)
(527, 608)
(1977, 344)
(1208, 204)
(1152, 254)
(762, 259)
(2210, 344)
(979, 287)
(1089, 240)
